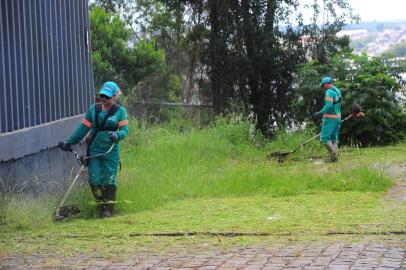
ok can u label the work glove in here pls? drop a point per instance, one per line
(113, 136)
(317, 116)
(65, 146)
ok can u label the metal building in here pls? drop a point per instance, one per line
(44, 61)
(46, 80)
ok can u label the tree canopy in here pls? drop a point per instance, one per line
(113, 54)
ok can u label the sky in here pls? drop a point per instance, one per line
(379, 10)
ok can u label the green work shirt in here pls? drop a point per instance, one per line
(101, 143)
(332, 104)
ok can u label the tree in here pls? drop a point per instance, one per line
(114, 58)
(218, 56)
(376, 87)
(252, 58)
(273, 56)
(109, 46)
(329, 18)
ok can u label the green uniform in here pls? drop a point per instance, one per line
(102, 169)
(331, 115)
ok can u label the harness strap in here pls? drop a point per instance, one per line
(98, 108)
(108, 129)
(339, 96)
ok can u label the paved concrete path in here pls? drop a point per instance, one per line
(337, 256)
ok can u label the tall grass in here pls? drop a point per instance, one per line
(180, 160)
(225, 159)
(22, 212)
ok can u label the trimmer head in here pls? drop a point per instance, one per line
(279, 155)
(66, 211)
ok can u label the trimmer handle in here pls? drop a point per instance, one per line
(81, 159)
(65, 147)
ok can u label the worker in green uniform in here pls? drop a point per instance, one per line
(331, 113)
(108, 125)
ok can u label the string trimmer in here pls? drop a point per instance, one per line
(282, 155)
(64, 211)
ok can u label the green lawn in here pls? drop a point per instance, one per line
(217, 179)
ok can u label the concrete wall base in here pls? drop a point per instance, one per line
(49, 171)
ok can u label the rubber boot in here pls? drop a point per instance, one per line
(332, 150)
(98, 197)
(335, 144)
(109, 198)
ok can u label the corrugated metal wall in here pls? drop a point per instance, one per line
(45, 61)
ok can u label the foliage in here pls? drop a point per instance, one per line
(252, 59)
(151, 87)
(109, 41)
(113, 57)
(241, 56)
(145, 60)
(376, 88)
(367, 81)
(250, 52)
(253, 51)
(322, 41)
(176, 28)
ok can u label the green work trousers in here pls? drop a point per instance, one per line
(330, 130)
(103, 170)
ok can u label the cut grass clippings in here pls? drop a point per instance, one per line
(295, 216)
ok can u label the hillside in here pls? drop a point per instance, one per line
(376, 38)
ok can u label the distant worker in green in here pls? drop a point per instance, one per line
(108, 125)
(331, 114)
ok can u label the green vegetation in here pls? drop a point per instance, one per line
(364, 80)
(259, 64)
(238, 56)
(112, 57)
(178, 177)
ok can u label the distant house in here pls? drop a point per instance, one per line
(46, 82)
(352, 33)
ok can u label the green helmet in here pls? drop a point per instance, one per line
(326, 80)
(109, 89)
